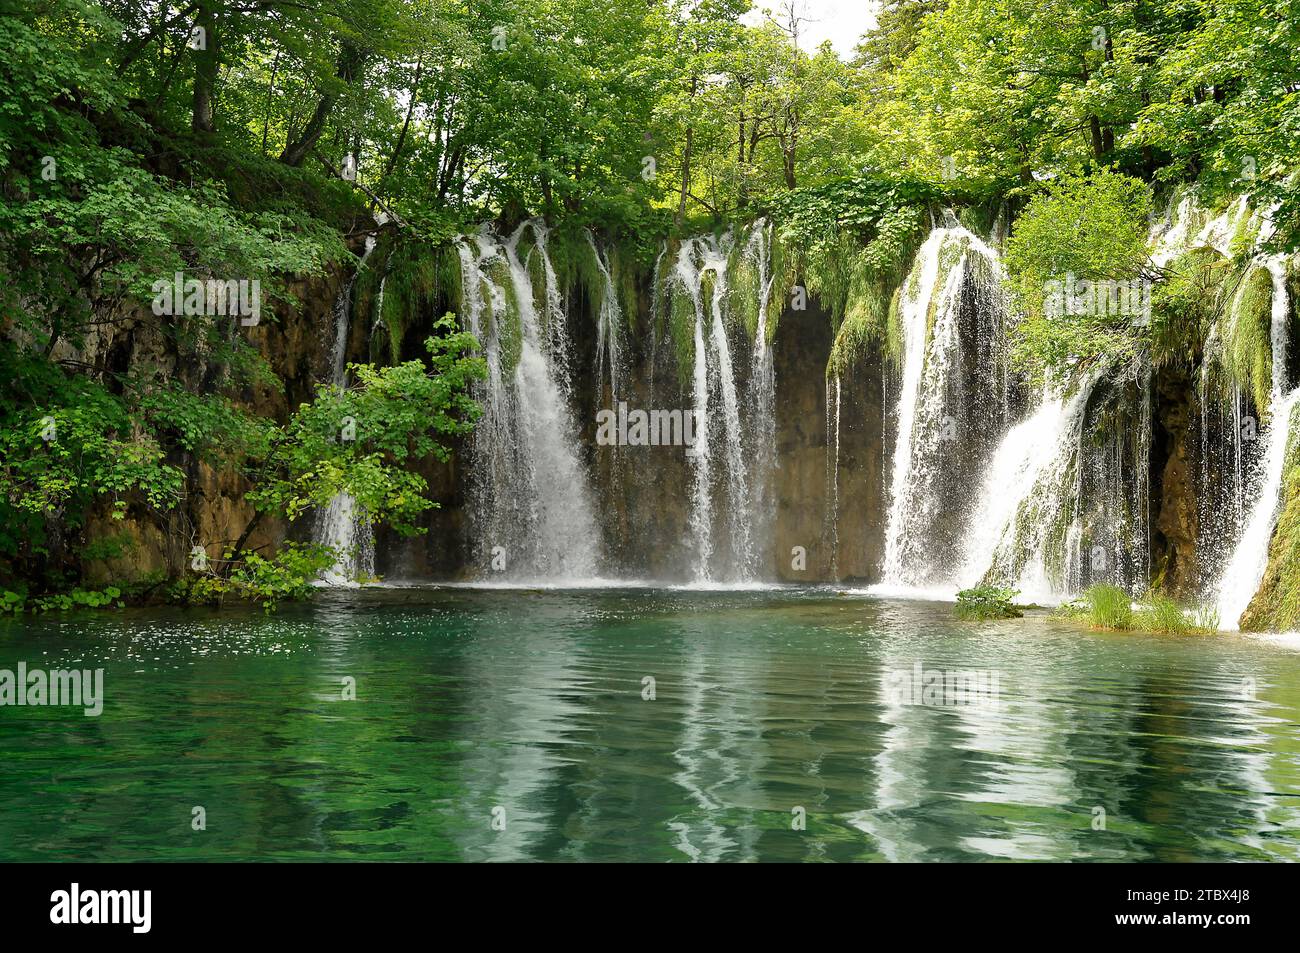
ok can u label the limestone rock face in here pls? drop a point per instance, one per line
(643, 495)
(1176, 525)
(295, 340)
(835, 511)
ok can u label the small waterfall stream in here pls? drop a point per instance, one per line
(701, 273)
(339, 525)
(609, 358)
(762, 392)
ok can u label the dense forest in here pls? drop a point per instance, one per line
(143, 145)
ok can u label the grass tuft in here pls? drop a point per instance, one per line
(1108, 607)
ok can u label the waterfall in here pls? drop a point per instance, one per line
(914, 311)
(1033, 454)
(608, 357)
(1020, 531)
(762, 387)
(952, 404)
(833, 470)
(1245, 567)
(702, 265)
(531, 508)
(737, 491)
(339, 525)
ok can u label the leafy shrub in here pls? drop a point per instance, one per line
(988, 602)
(266, 580)
(19, 602)
(289, 574)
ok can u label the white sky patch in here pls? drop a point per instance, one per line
(843, 22)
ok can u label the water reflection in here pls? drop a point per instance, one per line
(531, 704)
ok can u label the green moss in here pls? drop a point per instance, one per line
(1243, 355)
(626, 273)
(871, 306)
(870, 319)
(743, 292)
(417, 280)
(576, 266)
(785, 275)
(1184, 307)
(681, 329)
(535, 264)
(507, 327)
(450, 280)
(828, 273)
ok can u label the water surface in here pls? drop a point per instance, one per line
(527, 706)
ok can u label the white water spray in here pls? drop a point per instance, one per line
(1245, 567)
(531, 505)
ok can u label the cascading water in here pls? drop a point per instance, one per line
(1031, 458)
(609, 358)
(762, 387)
(952, 403)
(339, 525)
(701, 262)
(1245, 567)
(532, 514)
(833, 470)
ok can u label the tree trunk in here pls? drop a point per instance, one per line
(686, 175)
(686, 159)
(351, 60)
(207, 64)
(406, 124)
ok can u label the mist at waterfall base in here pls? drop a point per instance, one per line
(987, 479)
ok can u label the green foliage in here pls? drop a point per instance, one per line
(19, 602)
(870, 307)
(289, 574)
(1187, 305)
(1080, 229)
(357, 440)
(988, 602)
(1108, 607)
(639, 119)
(66, 440)
(1246, 354)
(849, 240)
(1111, 608)
(1159, 613)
